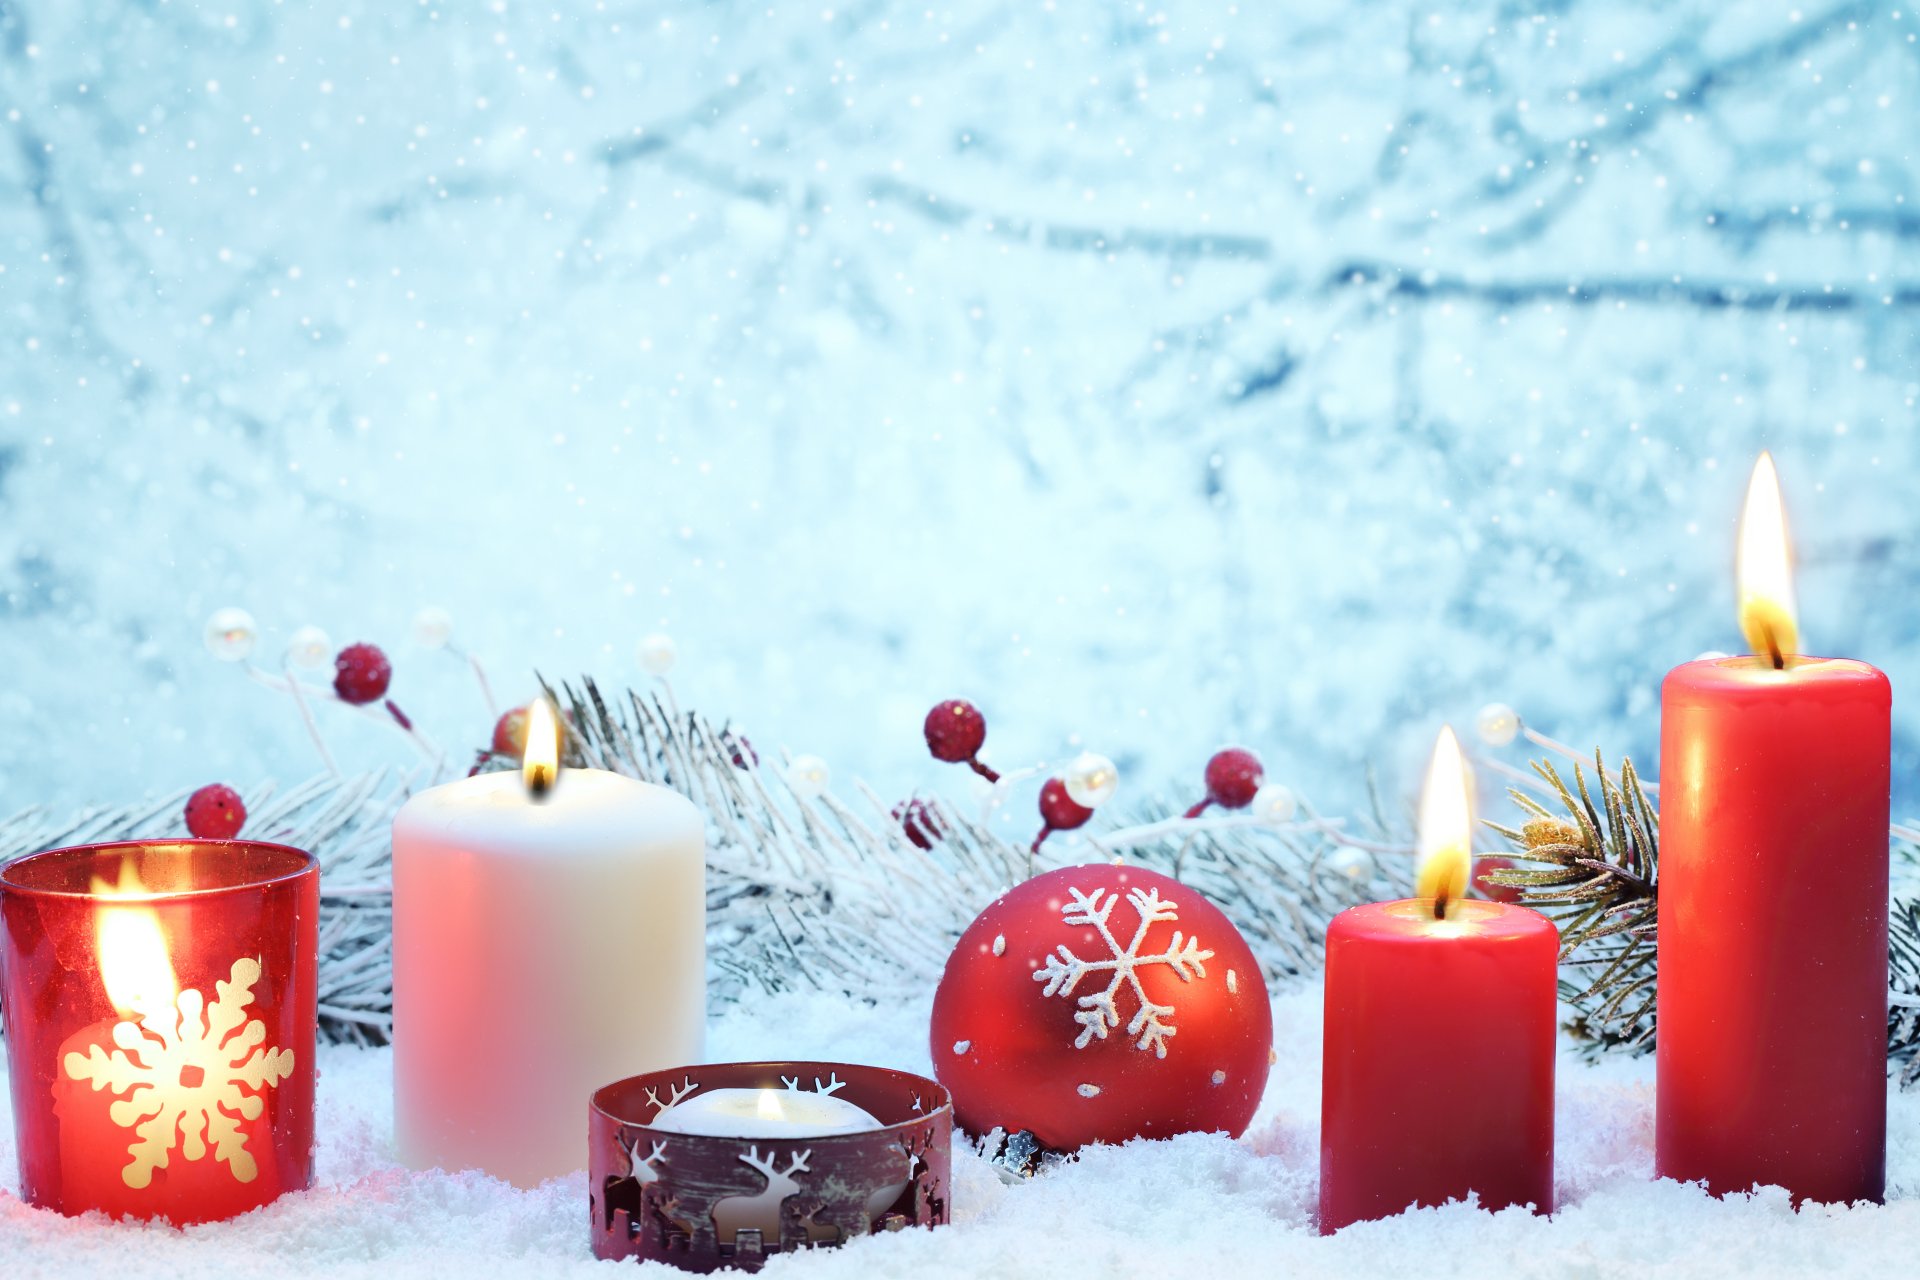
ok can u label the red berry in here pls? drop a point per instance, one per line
(1484, 866)
(361, 674)
(741, 749)
(955, 731)
(922, 821)
(510, 733)
(1233, 775)
(1060, 811)
(215, 812)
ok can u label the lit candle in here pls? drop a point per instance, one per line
(160, 1003)
(1438, 1045)
(762, 1115)
(549, 936)
(1772, 1051)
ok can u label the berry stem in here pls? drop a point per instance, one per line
(984, 770)
(480, 677)
(1200, 808)
(297, 689)
(306, 718)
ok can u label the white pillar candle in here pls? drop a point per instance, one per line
(541, 948)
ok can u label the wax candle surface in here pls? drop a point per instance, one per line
(764, 1113)
(1438, 1059)
(1772, 1033)
(541, 949)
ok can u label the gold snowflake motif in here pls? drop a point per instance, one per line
(192, 1079)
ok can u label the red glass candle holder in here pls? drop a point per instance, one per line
(659, 1195)
(160, 999)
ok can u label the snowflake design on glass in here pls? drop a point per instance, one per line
(1099, 1011)
(188, 1078)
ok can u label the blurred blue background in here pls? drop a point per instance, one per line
(1297, 375)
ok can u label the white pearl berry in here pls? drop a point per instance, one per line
(310, 648)
(231, 634)
(657, 653)
(1497, 724)
(1351, 862)
(1275, 802)
(808, 776)
(1091, 780)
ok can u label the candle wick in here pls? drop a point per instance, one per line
(1440, 905)
(1773, 648)
(539, 783)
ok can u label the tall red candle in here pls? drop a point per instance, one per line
(160, 1005)
(1438, 1048)
(1772, 1033)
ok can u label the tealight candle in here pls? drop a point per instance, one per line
(764, 1113)
(160, 1007)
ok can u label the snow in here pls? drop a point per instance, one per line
(1148, 1209)
(1158, 376)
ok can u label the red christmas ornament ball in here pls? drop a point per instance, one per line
(1060, 811)
(955, 731)
(1102, 1003)
(215, 812)
(361, 674)
(1233, 776)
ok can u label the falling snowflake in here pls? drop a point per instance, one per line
(1099, 1011)
(189, 1079)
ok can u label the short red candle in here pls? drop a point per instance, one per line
(160, 1005)
(1772, 1032)
(1438, 1059)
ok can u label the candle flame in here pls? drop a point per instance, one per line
(132, 949)
(1765, 568)
(541, 764)
(1446, 827)
(769, 1105)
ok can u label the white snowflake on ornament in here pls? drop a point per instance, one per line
(161, 1053)
(1099, 1010)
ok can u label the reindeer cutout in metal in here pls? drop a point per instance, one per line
(734, 1213)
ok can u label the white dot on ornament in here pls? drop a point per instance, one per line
(961, 1046)
(432, 627)
(808, 776)
(1233, 983)
(1091, 780)
(1089, 1090)
(1275, 802)
(999, 944)
(231, 634)
(657, 653)
(1219, 1077)
(1354, 864)
(1497, 724)
(309, 647)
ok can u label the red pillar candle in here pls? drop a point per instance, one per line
(160, 1008)
(1439, 1038)
(1772, 1049)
